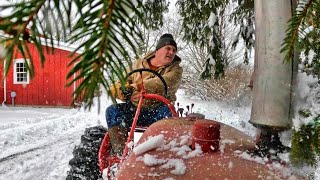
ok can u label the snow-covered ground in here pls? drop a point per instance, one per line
(37, 143)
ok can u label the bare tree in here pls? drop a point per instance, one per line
(231, 88)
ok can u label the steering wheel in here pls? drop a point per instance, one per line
(165, 86)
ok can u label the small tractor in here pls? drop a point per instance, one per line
(189, 147)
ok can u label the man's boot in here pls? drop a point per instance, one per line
(118, 138)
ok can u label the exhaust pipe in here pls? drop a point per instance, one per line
(272, 76)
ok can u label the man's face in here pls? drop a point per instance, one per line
(165, 54)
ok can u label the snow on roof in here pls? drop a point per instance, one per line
(60, 45)
(57, 44)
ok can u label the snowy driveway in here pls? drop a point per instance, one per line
(37, 143)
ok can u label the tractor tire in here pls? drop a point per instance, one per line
(84, 164)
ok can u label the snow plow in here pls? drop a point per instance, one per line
(175, 148)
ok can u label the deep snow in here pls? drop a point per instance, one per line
(36, 143)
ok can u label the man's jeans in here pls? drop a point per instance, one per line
(122, 115)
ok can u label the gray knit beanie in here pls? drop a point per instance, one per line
(166, 39)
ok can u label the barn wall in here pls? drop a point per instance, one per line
(1, 84)
(47, 88)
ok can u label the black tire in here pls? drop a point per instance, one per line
(84, 164)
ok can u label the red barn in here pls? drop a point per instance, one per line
(47, 88)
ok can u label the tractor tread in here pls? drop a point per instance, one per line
(84, 164)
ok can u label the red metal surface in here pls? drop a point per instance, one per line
(104, 152)
(104, 155)
(48, 86)
(206, 133)
(224, 164)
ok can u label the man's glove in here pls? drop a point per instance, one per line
(117, 93)
(128, 92)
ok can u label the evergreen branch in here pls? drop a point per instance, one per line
(103, 50)
(244, 14)
(25, 25)
(153, 13)
(198, 30)
(18, 29)
(305, 144)
(293, 29)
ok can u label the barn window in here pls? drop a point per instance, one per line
(21, 75)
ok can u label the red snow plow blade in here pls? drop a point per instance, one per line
(231, 161)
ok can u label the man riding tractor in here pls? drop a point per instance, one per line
(119, 116)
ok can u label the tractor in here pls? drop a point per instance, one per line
(175, 148)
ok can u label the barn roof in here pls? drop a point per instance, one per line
(57, 44)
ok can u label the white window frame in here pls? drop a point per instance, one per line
(16, 61)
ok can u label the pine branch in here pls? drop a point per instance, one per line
(21, 27)
(293, 30)
(305, 144)
(103, 52)
(197, 30)
(153, 10)
(243, 15)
